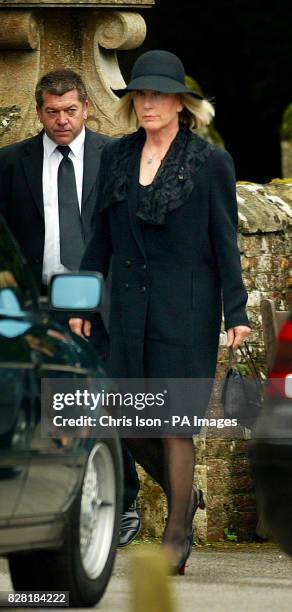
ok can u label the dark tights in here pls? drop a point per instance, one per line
(170, 461)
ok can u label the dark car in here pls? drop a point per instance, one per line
(60, 496)
(271, 447)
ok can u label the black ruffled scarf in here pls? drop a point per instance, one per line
(173, 182)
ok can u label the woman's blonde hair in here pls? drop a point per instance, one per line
(195, 114)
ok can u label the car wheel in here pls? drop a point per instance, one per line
(83, 565)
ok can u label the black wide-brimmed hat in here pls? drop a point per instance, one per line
(158, 71)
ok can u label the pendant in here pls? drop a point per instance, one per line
(149, 160)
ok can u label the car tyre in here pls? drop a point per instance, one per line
(83, 565)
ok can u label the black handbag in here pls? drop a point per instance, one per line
(242, 391)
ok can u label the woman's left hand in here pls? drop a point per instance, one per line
(237, 335)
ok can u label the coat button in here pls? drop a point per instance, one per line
(128, 263)
(143, 289)
(126, 286)
(144, 267)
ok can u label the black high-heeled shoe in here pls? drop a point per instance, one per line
(179, 569)
(198, 502)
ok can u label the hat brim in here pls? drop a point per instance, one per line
(156, 83)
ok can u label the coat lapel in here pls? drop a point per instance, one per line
(172, 185)
(33, 168)
(133, 195)
(92, 154)
(122, 183)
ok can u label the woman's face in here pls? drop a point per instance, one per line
(156, 110)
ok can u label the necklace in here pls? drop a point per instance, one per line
(150, 159)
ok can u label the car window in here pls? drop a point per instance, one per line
(14, 272)
(9, 301)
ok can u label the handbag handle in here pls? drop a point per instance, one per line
(248, 358)
(230, 357)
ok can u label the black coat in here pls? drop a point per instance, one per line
(174, 251)
(21, 192)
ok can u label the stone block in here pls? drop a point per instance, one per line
(286, 148)
(153, 506)
(243, 524)
(240, 465)
(241, 483)
(243, 502)
(218, 449)
(215, 532)
(263, 281)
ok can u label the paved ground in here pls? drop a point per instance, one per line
(221, 578)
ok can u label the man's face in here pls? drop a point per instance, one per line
(63, 117)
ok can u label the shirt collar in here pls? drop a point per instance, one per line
(76, 145)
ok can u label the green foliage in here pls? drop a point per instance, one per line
(244, 369)
(286, 128)
(281, 181)
(193, 85)
(215, 136)
(230, 536)
(209, 133)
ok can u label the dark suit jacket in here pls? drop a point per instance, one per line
(174, 256)
(21, 192)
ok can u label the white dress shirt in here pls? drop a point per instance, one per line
(52, 159)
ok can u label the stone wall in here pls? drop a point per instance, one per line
(265, 227)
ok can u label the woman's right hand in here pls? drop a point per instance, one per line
(81, 327)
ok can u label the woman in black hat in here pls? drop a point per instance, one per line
(167, 216)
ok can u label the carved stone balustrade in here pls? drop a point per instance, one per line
(84, 35)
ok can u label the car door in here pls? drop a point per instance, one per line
(18, 307)
(57, 464)
(38, 476)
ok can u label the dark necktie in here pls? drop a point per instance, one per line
(71, 234)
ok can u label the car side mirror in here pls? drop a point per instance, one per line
(80, 291)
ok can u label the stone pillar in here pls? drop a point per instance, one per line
(85, 35)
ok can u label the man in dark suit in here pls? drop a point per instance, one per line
(48, 191)
(29, 174)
